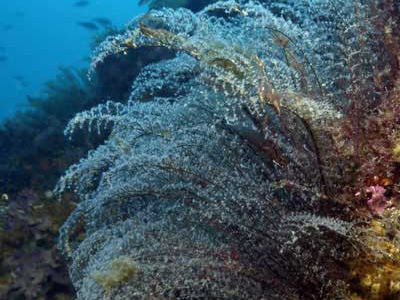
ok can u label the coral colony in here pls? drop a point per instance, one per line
(260, 162)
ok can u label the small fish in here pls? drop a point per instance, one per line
(89, 26)
(20, 14)
(7, 27)
(3, 58)
(87, 59)
(81, 3)
(103, 22)
(21, 82)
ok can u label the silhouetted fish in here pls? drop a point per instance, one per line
(81, 3)
(7, 27)
(89, 25)
(21, 82)
(3, 58)
(103, 22)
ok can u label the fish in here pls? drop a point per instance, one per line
(21, 82)
(89, 26)
(7, 27)
(103, 21)
(86, 59)
(3, 58)
(81, 3)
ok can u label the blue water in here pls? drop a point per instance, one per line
(37, 36)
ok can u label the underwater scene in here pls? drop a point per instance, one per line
(201, 150)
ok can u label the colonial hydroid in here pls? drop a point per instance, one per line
(244, 167)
